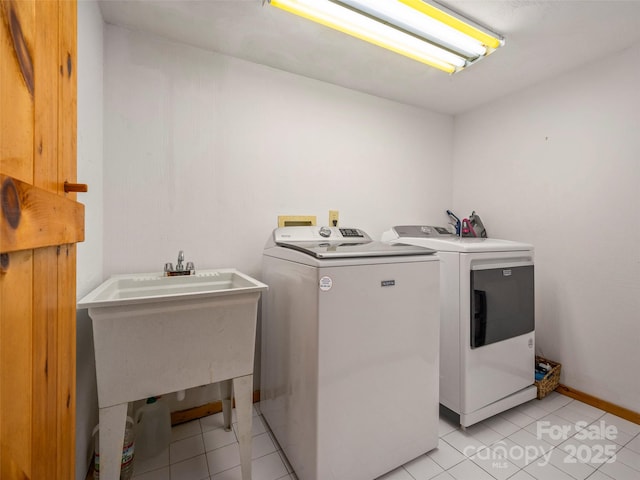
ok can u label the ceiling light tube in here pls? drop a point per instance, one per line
(491, 39)
(407, 18)
(365, 28)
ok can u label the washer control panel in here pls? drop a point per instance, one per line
(352, 232)
(314, 234)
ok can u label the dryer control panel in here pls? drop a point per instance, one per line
(422, 231)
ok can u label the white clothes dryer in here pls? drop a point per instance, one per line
(487, 325)
(349, 372)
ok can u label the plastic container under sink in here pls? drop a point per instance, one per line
(153, 428)
(128, 452)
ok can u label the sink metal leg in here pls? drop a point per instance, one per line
(112, 425)
(226, 392)
(242, 387)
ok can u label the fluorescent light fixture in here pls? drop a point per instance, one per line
(413, 28)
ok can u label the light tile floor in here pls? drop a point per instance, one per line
(556, 438)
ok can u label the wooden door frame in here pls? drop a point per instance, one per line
(40, 223)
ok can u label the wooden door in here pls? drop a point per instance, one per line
(39, 225)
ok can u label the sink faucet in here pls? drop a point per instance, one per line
(180, 269)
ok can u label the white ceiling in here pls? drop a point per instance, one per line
(544, 38)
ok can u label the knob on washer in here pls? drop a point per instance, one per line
(325, 232)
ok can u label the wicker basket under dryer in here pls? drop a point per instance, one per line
(550, 381)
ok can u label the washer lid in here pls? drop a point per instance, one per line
(324, 249)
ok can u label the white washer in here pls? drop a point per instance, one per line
(349, 372)
(487, 325)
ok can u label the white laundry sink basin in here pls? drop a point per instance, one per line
(155, 335)
(120, 290)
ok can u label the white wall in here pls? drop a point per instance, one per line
(558, 165)
(90, 257)
(204, 151)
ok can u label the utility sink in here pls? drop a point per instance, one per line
(155, 335)
(155, 287)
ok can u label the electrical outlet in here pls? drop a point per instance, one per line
(333, 218)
